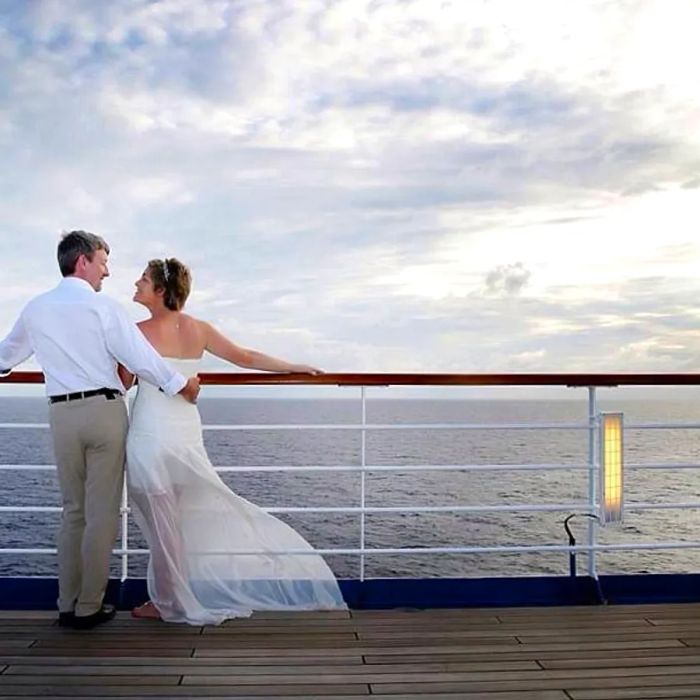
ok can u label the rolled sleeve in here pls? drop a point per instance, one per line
(175, 385)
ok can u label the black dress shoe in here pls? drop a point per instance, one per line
(86, 622)
(65, 619)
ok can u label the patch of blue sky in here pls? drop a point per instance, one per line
(403, 96)
(523, 103)
(421, 196)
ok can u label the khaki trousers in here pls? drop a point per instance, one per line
(89, 438)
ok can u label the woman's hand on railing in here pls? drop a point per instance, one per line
(306, 369)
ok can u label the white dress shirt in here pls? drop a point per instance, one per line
(79, 336)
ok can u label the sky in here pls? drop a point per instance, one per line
(371, 185)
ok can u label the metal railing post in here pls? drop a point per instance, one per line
(592, 469)
(363, 473)
(125, 533)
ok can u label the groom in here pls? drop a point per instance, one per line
(79, 337)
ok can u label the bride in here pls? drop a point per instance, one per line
(185, 511)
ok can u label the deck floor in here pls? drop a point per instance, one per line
(641, 651)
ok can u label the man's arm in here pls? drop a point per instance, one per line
(129, 346)
(128, 379)
(15, 348)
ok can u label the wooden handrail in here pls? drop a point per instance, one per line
(377, 379)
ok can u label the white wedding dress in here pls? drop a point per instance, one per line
(189, 516)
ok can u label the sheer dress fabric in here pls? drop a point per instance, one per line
(189, 516)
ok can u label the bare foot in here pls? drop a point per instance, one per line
(146, 611)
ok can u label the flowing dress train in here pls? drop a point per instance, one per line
(189, 517)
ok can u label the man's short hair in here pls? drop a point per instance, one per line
(74, 244)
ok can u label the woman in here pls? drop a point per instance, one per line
(186, 512)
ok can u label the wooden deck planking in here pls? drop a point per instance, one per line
(582, 653)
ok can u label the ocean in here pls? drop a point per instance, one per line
(398, 488)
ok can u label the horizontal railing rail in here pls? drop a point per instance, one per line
(393, 467)
(382, 551)
(406, 379)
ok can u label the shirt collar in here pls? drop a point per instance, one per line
(76, 282)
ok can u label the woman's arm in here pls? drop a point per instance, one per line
(217, 344)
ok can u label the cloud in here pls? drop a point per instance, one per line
(507, 280)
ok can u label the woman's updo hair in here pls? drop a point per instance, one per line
(174, 279)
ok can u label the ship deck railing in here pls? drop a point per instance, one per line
(586, 505)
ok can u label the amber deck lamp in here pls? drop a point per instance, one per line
(611, 468)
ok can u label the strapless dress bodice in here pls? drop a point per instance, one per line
(154, 412)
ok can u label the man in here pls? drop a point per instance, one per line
(79, 337)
